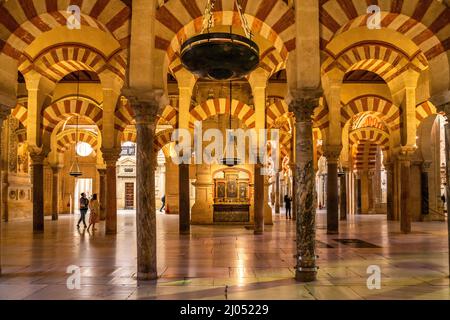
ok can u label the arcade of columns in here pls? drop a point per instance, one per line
(348, 91)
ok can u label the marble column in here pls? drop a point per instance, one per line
(277, 192)
(447, 171)
(390, 191)
(37, 160)
(4, 183)
(405, 178)
(184, 199)
(56, 186)
(146, 207)
(110, 156)
(3, 115)
(102, 195)
(343, 195)
(303, 107)
(332, 154)
(258, 199)
(294, 198)
(425, 192)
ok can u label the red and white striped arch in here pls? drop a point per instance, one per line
(21, 22)
(380, 106)
(68, 138)
(214, 107)
(66, 108)
(162, 139)
(424, 22)
(179, 20)
(57, 61)
(21, 114)
(276, 110)
(381, 58)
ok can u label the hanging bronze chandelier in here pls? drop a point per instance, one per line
(220, 55)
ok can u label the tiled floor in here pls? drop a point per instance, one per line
(201, 265)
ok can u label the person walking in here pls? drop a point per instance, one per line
(287, 206)
(94, 207)
(163, 200)
(84, 206)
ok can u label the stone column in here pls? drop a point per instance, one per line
(332, 154)
(37, 159)
(277, 192)
(146, 212)
(305, 193)
(405, 177)
(4, 183)
(55, 192)
(294, 188)
(110, 156)
(102, 195)
(425, 192)
(343, 195)
(390, 191)
(258, 199)
(184, 199)
(3, 115)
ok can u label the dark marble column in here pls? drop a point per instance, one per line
(332, 154)
(390, 191)
(277, 192)
(3, 115)
(145, 114)
(184, 199)
(303, 107)
(343, 195)
(37, 160)
(405, 178)
(447, 171)
(258, 199)
(110, 156)
(102, 195)
(294, 198)
(55, 192)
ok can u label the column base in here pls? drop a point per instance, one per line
(258, 232)
(146, 276)
(306, 275)
(54, 217)
(111, 232)
(332, 232)
(185, 232)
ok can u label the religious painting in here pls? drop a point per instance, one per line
(232, 187)
(243, 190)
(220, 190)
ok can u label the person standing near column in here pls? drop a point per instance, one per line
(84, 206)
(287, 205)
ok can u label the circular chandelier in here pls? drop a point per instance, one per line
(220, 55)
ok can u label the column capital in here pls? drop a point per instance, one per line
(406, 153)
(145, 111)
(56, 168)
(37, 155)
(332, 153)
(445, 109)
(101, 171)
(303, 102)
(111, 155)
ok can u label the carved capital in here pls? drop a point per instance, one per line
(332, 153)
(111, 155)
(303, 102)
(56, 169)
(37, 156)
(445, 109)
(102, 172)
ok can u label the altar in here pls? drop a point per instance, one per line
(231, 197)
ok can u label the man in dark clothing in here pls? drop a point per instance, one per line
(287, 206)
(84, 206)
(163, 200)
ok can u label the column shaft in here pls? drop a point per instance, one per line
(332, 199)
(277, 193)
(38, 191)
(343, 196)
(184, 199)
(55, 193)
(305, 192)
(146, 206)
(390, 192)
(111, 156)
(102, 195)
(258, 198)
(3, 115)
(405, 217)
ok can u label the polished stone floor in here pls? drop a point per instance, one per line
(225, 262)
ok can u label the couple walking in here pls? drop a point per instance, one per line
(92, 205)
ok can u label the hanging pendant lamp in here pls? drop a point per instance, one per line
(230, 162)
(75, 167)
(220, 55)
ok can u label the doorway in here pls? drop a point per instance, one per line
(129, 195)
(82, 185)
